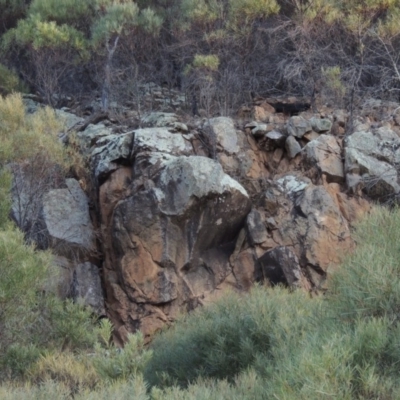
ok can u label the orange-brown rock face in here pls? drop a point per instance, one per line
(178, 231)
(167, 238)
(187, 212)
(197, 213)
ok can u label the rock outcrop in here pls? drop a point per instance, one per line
(186, 210)
(372, 160)
(170, 233)
(55, 214)
(178, 227)
(65, 216)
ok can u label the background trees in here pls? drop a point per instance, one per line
(332, 48)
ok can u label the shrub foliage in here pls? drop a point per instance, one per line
(268, 47)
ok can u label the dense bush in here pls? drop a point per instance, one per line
(266, 47)
(24, 136)
(10, 82)
(230, 336)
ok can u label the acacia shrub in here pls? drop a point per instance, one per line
(368, 283)
(226, 338)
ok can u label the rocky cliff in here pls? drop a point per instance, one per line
(179, 211)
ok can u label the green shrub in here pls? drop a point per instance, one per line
(18, 358)
(221, 340)
(114, 364)
(246, 386)
(48, 390)
(9, 81)
(133, 388)
(32, 320)
(67, 369)
(368, 282)
(23, 271)
(24, 136)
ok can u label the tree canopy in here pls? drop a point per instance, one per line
(263, 46)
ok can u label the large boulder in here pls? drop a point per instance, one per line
(371, 160)
(110, 152)
(177, 229)
(67, 222)
(224, 132)
(170, 240)
(298, 126)
(324, 153)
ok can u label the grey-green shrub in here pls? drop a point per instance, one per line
(368, 282)
(223, 339)
(9, 81)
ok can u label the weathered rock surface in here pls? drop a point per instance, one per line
(281, 266)
(263, 112)
(224, 131)
(310, 222)
(78, 281)
(91, 135)
(321, 125)
(298, 126)
(257, 232)
(67, 222)
(371, 160)
(170, 239)
(86, 287)
(189, 210)
(276, 136)
(110, 152)
(160, 140)
(325, 154)
(160, 119)
(292, 147)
